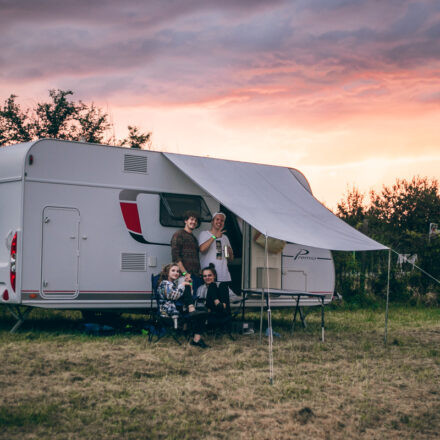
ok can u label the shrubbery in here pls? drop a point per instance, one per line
(399, 217)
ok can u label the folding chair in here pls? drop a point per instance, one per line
(162, 325)
(237, 301)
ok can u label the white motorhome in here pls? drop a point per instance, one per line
(84, 226)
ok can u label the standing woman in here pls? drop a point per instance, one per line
(169, 293)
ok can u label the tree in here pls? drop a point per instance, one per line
(61, 118)
(352, 209)
(14, 123)
(93, 124)
(407, 205)
(136, 139)
(56, 119)
(399, 217)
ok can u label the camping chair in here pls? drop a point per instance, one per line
(162, 325)
(238, 301)
(220, 325)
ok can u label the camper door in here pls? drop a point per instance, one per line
(60, 252)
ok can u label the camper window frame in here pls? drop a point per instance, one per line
(177, 217)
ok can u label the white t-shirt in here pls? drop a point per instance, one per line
(215, 255)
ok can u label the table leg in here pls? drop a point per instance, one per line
(303, 318)
(243, 305)
(295, 313)
(322, 319)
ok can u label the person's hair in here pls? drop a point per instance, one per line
(211, 267)
(189, 214)
(165, 272)
(218, 213)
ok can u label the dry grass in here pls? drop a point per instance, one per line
(57, 383)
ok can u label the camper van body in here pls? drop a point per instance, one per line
(84, 226)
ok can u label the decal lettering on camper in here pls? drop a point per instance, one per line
(303, 254)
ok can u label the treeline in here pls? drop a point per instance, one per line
(399, 216)
(62, 118)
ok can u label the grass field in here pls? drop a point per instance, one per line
(58, 383)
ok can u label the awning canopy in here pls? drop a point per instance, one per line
(273, 200)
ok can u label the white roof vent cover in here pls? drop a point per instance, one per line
(135, 164)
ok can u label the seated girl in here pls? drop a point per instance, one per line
(170, 293)
(216, 294)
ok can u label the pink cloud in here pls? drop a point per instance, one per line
(327, 74)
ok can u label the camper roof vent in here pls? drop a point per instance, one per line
(133, 262)
(135, 164)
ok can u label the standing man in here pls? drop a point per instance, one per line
(215, 248)
(185, 248)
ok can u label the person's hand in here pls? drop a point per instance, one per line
(188, 278)
(218, 233)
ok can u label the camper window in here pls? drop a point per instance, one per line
(174, 206)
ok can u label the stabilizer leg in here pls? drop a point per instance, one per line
(19, 316)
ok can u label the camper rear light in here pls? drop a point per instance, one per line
(5, 295)
(13, 261)
(13, 276)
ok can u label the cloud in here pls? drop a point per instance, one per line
(130, 13)
(322, 75)
(211, 48)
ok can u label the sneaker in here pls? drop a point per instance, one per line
(200, 343)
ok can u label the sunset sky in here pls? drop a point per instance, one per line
(347, 91)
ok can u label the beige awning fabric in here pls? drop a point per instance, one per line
(274, 201)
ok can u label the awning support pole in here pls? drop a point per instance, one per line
(269, 315)
(388, 298)
(261, 313)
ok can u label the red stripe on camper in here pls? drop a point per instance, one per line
(131, 217)
(92, 291)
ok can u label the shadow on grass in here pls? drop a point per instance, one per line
(66, 322)
(338, 319)
(29, 413)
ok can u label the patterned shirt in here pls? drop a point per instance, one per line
(169, 293)
(185, 248)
